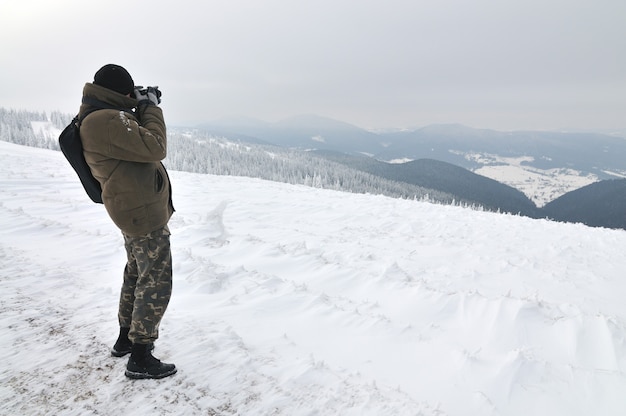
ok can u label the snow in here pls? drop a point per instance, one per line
(291, 300)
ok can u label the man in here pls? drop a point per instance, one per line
(124, 143)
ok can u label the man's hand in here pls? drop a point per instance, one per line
(148, 95)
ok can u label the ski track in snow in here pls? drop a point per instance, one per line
(290, 300)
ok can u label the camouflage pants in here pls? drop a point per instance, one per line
(147, 285)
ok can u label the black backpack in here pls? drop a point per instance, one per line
(72, 148)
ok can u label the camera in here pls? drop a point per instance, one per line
(145, 90)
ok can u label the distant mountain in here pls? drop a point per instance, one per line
(444, 177)
(601, 204)
(244, 129)
(600, 154)
(541, 159)
(303, 132)
(585, 152)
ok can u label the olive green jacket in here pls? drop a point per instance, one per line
(124, 149)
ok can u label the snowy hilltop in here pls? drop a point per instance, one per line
(292, 300)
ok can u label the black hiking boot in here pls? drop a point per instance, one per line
(123, 345)
(142, 364)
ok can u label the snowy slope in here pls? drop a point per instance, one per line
(291, 300)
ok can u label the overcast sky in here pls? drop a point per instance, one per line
(516, 64)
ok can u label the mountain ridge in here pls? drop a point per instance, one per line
(422, 177)
(540, 158)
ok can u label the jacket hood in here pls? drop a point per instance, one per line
(107, 96)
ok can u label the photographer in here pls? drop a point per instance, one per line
(124, 143)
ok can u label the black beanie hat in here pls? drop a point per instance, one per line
(115, 78)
